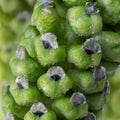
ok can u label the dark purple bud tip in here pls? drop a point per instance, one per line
(22, 82)
(9, 116)
(21, 53)
(90, 116)
(38, 109)
(106, 89)
(23, 16)
(8, 47)
(49, 41)
(56, 73)
(77, 99)
(6, 89)
(91, 46)
(47, 4)
(99, 73)
(46, 44)
(92, 8)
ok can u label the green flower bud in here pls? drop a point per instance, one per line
(71, 37)
(20, 21)
(23, 93)
(45, 17)
(71, 108)
(110, 11)
(60, 8)
(87, 55)
(9, 105)
(38, 111)
(55, 83)
(28, 40)
(22, 64)
(90, 81)
(48, 51)
(71, 3)
(96, 101)
(109, 42)
(85, 21)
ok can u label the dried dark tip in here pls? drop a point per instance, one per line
(38, 113)
(92, 8)
(46, 44)
(38, 109)
(47, 4)
(6, 89)
(8, 48)
(99, 73)
(22, 82)
(23, 16)
(21, 53)
(56, 73)
(49, 41)
(56, 77)
(9, 116)
(91, 46)
(78, 99)
(106, 89)
(90, 116)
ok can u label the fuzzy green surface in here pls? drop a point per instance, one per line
(60, 8)
(110, 10)
(82, 23)
(26, 97)
(81, 59)
(52, 88)
(84, 81)
(96, 101)
(109, 42)
(48, 56)
(64, 108)
(50, 115)
(9, 105)
(46, 20)
(27, 67)
(28, 41)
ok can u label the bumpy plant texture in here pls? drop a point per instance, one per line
(65, 62)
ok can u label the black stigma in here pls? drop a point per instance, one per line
(48, 4)
(92, 8)
(89, 52)
(22, 19)
(78, 103)
(56, 77)
(20, 86)
(90, 117)
(38, 113)
(46, 44)
(77, 100)
(106, 89)
(99, 74)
